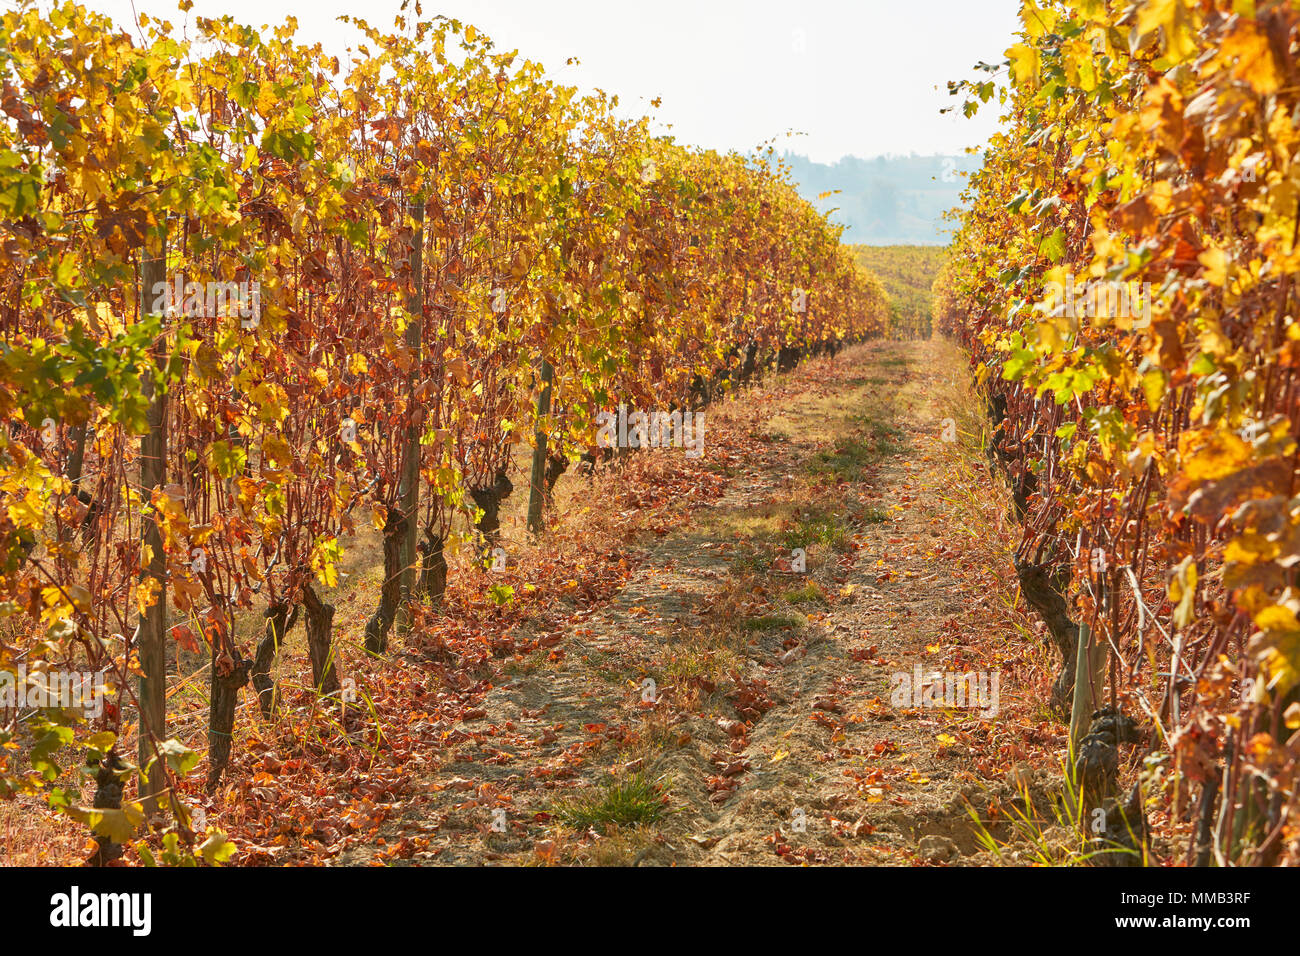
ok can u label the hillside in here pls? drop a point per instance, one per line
(888, 200)
(907, 273)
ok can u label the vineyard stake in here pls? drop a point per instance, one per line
(537, 480)
(1089, 673)
(410, 488)
(152, 628)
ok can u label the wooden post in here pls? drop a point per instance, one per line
(537, 480)
(1089, 676)
(76, 464)
(410, 486)
(151, 631)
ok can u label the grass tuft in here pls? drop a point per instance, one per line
(810, 593)
(824, 529)
(771, 622)
(631, 801)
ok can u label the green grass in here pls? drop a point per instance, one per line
(750, 560)
(852, 455)
(1065, 841)
(874, 515)
(810, 593)
(847, 460)
(884, 437)
(818, 529)
(771, 622)
(632, 801)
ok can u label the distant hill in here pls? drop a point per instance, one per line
(889, 200)
(907, 273)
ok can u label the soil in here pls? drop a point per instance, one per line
(746, 705)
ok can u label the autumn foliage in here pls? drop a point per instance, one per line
(1152, 147)
(427, 223)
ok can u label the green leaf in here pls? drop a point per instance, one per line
(227, 460)
(118, 825)
(42, 754)
(100, 743)
(1054, 245)
(1153, 387)
(180, 759)
(216, 849)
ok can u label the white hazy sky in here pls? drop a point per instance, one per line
(855, 77)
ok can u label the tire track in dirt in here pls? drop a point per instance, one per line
(846, 777)
(771, 731)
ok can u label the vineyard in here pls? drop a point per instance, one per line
(258, 303)
(1123, 280)
(907, 274)
(411, 455)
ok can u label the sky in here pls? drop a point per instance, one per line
(849, 77)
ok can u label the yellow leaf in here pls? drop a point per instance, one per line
(216, 849)
(1024, 64)
(80, 597)
(277, 449)
(1292, 717)
(1250, 549)
(1173, 20)
(1207, 457)
(1153, 387)
(1277, 617)
(146, 594)
(1255, 64)
(1215, 261)
(1037, 20)
(118, 825)
(1182, 591)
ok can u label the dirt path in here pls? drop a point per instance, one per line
(727, 708)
